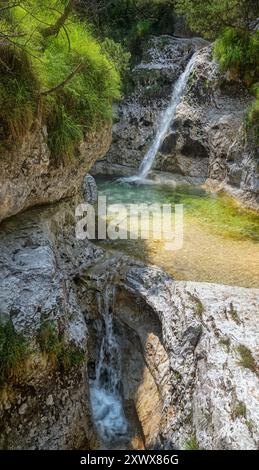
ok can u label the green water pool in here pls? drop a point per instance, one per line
(220, 240)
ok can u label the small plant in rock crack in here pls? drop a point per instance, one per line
(249, 425)
(199, 307)
(177, 375)
(246, 358)
(191, 444)
(239, 409)
(52, 343)
(233, 313)
(225, 342)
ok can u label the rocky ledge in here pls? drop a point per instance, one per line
(30, 175)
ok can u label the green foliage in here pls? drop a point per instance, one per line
(246, 358)
(192, 444)
(52, 343)
(238, 52)
(17, 88)
(14, 351)
(63, 131)
(239, 409)
(211, 18)
(117, 54)
(82, 103)
(130, 19)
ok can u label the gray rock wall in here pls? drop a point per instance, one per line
(30, 176)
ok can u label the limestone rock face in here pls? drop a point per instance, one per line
(209, 133)
(30, 176)
(45, 406)
(89, 189)
(205, 389)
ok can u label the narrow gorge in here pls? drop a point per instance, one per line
(122, 342)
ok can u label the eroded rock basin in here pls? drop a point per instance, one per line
(220, 240)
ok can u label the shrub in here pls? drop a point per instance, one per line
(83, 103)
(238, 52)
(117, 54)
(14, 350)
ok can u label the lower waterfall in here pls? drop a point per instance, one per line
(105, 391)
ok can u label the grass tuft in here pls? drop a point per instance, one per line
(14, 350)
(59, 354)
(233, 313)
(239, 409)
(192, 444)
(246, 358)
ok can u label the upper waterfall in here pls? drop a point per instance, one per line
(167, 118)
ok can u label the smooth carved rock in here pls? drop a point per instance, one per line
(189, 335)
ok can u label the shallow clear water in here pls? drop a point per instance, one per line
(221, 241)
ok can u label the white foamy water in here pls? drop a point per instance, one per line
(166, 120)
(108, 413)
(106, 400)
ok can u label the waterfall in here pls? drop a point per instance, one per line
(166, 119)
(108, 373)
(105, 390)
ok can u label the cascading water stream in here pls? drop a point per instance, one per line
(106, 400)
(166, 119)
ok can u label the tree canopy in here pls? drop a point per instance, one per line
(211, 17)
